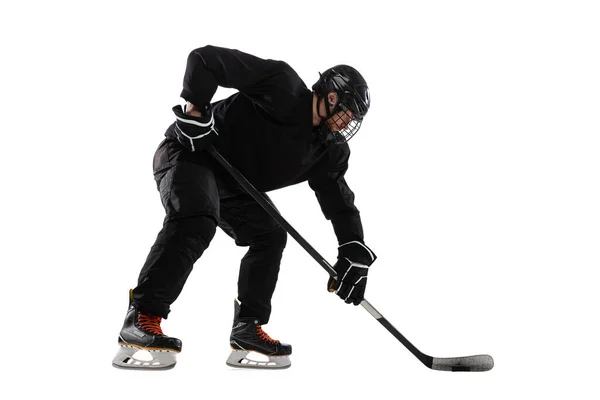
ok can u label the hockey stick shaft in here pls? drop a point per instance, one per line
(463, 364)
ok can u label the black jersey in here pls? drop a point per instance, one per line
(266, 132)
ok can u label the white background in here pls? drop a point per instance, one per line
(476, 173)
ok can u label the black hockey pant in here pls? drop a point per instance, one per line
(196, 200)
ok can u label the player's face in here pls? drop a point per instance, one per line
(339, 120)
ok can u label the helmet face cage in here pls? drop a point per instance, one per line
(349, 129)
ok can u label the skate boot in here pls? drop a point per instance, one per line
(247, 336)
(142, 332)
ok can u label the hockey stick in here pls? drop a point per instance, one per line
(476, 363)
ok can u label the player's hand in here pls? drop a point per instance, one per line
(352, 267)
(197, 131)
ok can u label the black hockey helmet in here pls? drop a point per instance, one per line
(353, 95)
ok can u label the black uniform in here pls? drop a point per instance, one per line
(265, 131)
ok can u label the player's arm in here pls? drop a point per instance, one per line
(337, 203)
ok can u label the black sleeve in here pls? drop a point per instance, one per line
(336, 198)
(270, 83)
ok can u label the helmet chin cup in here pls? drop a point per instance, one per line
(330, 137)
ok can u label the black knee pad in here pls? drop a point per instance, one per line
(280, 237)
(275, 238)
(191, 234)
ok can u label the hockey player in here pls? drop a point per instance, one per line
(277, 133)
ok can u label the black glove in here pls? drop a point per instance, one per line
(352, 267)
(195, 133)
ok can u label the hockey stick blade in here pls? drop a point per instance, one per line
(479, 363)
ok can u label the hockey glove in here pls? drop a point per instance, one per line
(195, 133)
(352, 267)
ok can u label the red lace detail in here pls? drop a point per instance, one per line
(150, 323)
(262, 335)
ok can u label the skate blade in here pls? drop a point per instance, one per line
(160, 359)
(239, 359)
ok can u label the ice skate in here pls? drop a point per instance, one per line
(141, 333)
(246, 337)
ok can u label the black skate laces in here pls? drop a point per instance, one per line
(262, 335)
(150, 323)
